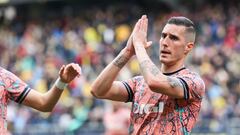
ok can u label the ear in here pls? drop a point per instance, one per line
(188, 47)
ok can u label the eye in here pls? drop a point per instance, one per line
(163, 35)
(173, 37)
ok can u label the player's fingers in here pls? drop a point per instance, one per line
(77, 68)
(143, 18)
(136, 25)
(145, 24)
(141, 22)
(149, 43)
(136, 28)
(62, 70)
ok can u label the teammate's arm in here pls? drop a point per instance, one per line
(46, 102)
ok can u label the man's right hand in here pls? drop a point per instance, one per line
(129, 49)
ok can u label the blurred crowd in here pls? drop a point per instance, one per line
(35, 49)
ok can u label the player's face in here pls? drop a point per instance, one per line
(172, 44)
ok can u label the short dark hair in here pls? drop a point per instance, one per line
(180, 20)
(183, 21)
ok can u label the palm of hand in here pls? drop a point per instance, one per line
(140, 32)
(139, 35)
(139, 38)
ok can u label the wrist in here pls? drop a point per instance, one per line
(139, 45)
(121, 59)
(60, 84)
(139, 48)
(126, 53)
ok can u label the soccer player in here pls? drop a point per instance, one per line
(165, 100)
(13, 88)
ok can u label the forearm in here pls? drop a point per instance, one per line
(106, 78)
(148, 68)
(44, 102)
(157, 81)
(51, 98)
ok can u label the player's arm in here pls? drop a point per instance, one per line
(46, 101)
(159, 82)
(156, 81)
(105, 87)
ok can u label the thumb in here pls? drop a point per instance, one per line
(61, 70)
(149, 43)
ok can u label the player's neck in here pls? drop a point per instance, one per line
(171, 68)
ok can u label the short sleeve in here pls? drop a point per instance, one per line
(193, 86)
(130, 86)
(16, 89)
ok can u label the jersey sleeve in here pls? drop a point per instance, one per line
(16, 89)
(193, 86)
(130, 86)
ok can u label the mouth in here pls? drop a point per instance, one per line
(165, 52)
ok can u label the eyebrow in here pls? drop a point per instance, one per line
(170, 34)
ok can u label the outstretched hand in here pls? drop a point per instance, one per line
(69, 72)
(139, 35)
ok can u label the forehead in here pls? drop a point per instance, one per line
(174, 29)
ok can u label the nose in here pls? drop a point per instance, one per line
(164, 41)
